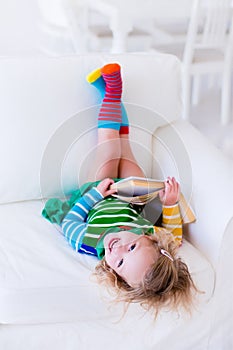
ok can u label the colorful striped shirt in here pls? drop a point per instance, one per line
(93, 216)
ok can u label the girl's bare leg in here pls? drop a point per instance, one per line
(128, 165)
(107, 157)
(114, 157)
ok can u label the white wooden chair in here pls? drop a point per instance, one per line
(63, 24)
(209, 51)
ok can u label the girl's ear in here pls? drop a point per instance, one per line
(152, 238)
(149, 237)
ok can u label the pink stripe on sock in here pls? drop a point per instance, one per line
(110, 110)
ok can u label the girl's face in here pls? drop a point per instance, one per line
(129, 255)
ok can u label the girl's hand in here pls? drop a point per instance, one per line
(104, 187)
(171, 193)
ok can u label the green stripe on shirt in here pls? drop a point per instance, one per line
(112, 213)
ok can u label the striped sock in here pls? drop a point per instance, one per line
(110, 112)
(96, 79)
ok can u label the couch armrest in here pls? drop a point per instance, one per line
(205, 174)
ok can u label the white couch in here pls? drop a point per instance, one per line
(48, 136)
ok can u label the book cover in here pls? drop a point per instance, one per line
(137, 186)
(140, 191)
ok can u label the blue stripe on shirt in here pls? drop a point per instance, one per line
(74, 224)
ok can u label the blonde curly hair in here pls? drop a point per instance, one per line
(167, 283)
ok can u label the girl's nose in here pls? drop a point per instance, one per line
(117, 249)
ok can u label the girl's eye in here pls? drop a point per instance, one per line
(132, 247)
(120, 263)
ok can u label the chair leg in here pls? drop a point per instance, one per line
(186, 96)
(196, 90)
(226, 94)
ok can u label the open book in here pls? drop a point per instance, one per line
(140, 191)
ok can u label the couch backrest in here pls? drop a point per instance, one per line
(48, 117)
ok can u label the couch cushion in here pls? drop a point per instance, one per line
(40, 96)
(43, 279)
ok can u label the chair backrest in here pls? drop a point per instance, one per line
(209, 26)
(217, 15)
(76, 13)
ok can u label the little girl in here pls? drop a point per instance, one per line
(138, 259)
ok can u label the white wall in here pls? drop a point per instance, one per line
(19, 30)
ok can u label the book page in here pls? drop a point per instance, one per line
(137, 186)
